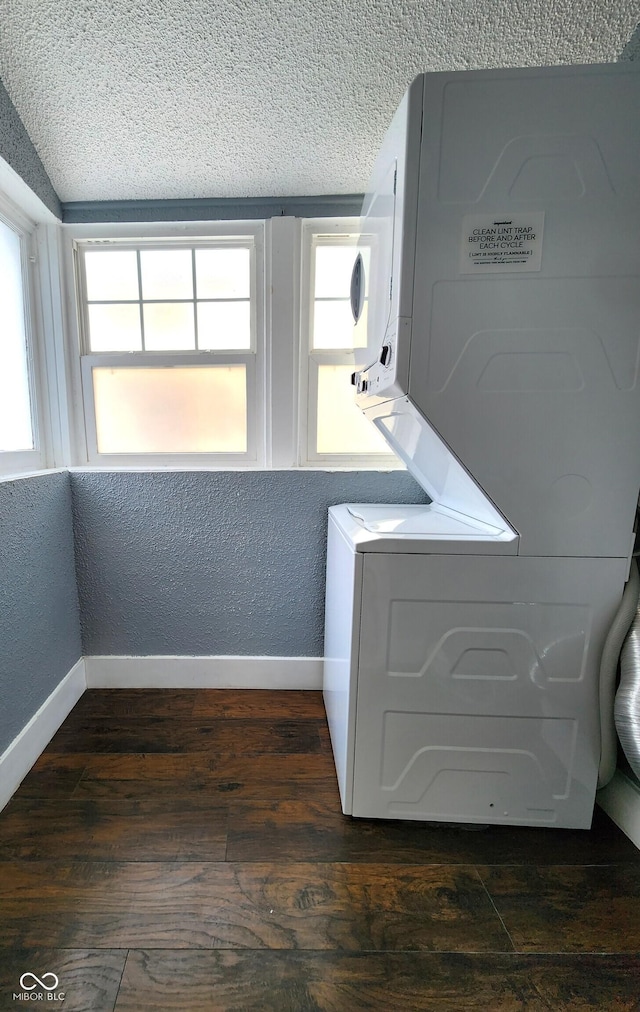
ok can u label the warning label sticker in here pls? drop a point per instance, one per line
(500, 244)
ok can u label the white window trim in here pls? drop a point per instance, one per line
(310, 358)
(56, 355)
(282, 288)
(17, 461)
(168, 360)
(84, 430)
(283, 367)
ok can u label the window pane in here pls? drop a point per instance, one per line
(114, 328)
(342, 428)
(224, 325)
(333, 325)
(166, 274)
(168, 326)
(334, 265)
(171, 410)
(223, 273)
(112, 275)
(15, 406)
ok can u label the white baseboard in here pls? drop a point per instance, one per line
(621, 801)
(21, 754)
(215, 672)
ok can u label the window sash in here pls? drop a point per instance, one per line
(34, 459)
(163, 360)
(161, 236)
(316, 233)
(80, 247)
(316, 458)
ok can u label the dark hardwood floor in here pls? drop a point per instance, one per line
(185, 850)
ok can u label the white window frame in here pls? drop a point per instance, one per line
(317, 232)
(36, 459)
(173, 235)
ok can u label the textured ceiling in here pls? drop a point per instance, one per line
(221, 98)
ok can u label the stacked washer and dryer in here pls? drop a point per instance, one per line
(463, 638)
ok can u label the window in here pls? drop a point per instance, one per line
(334, 430)
(171, 341)
(19, 431)
(192, 348)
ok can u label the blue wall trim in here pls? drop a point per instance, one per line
(211, 209)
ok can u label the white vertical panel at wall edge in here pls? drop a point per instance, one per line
(55, 354)
(282, 314)
(79, 455)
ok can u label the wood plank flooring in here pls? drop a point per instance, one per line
(185, 849)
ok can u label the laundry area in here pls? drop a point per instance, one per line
(464, 639)
(319, 489)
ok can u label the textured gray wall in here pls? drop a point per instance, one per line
(16, 149)
(39, 623)
(211, 562)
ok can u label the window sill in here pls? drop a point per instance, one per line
(36, 473)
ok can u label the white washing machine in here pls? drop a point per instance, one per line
(461, 679)
(463, 639)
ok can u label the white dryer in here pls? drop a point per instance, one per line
(463, 639)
